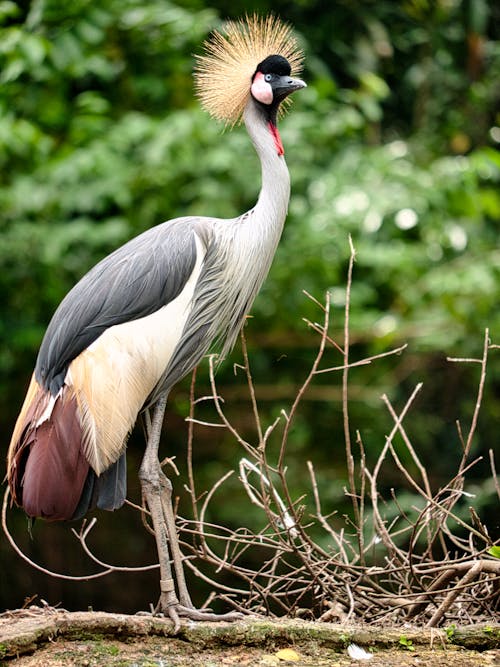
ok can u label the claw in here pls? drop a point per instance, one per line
(177, 611)
(202, 615)
(174, 617)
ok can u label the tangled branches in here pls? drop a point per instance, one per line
(430, 563)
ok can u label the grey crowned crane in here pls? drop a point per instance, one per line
(144, 317)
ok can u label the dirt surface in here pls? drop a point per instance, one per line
(176, 653)
(50, 638)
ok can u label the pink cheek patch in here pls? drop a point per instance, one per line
(261, 90)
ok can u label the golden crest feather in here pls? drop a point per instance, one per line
(223, 74)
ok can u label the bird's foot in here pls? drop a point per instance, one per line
(170, 607)
(178, 611)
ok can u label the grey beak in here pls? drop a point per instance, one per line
(284, 85)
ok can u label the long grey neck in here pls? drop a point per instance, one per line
(237, 263)
(272, 205)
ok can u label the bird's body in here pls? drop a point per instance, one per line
(137, 323)
(131, 328)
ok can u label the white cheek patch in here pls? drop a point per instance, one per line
(261, 90)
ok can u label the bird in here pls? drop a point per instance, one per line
(145, 316)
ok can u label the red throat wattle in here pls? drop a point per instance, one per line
(277, 139)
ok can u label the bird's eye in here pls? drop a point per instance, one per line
(268, 77)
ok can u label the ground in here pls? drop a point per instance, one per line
(175, 653)
(51, 638)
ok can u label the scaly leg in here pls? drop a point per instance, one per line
(150, 477)
(157, 491)
(168, 514)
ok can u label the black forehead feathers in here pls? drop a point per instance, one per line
(274, 65)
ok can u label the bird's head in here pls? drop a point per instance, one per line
(255, 58)
(272, 83)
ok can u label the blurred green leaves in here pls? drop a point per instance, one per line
(394, 142)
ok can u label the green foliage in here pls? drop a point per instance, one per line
(86, 153)
(450, 631)
(100, 139)
(406, 643)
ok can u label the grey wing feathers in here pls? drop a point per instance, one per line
(134, 281)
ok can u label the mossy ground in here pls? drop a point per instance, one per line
(167, 652)
(54, 639)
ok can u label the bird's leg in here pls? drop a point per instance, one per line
(168, 514)
(163, 517)
(151, 481)
(157, 491)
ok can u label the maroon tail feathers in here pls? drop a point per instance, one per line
(46, 468)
